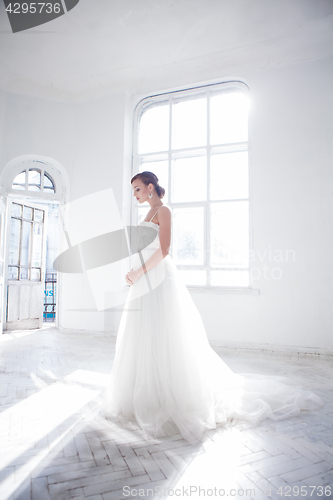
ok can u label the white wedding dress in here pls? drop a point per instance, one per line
(168, 379)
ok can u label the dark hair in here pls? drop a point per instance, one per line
(147, 178)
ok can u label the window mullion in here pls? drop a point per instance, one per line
(170, 167)
(42, 180)
(20, 245)
(207, 228)
(169, 152)
(136, 162)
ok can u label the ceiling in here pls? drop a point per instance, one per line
(106, 46)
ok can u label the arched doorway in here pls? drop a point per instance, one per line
(32, 190)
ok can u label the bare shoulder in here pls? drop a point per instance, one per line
(165, 209)
(164, 212)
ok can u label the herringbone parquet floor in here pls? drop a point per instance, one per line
(55, 445)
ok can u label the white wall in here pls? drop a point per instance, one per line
(291, 165)
(98, 163)
(88, 140)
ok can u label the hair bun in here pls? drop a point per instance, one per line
(150, 178)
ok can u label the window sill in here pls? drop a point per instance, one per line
(223, 290)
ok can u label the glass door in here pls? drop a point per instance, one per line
(25, 264)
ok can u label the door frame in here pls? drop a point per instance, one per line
(29, 201)
(60, 176)
(23, 197)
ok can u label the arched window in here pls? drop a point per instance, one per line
(196, 142)
(34, 179)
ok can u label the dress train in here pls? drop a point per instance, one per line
(166, 376)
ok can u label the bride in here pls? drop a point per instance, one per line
(165, 375)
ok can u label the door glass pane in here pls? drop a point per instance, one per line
(34, 177)
(35, 274)
(159, 168)
(15, 227)
(188, 235)
(230, 234)
(13, 273)
(229, 176)
(27, 213)
(189, 179)
(25, 244)
(24, 273)
(39, 215)
(229, 278)
(228, 118)
(154, 129)
(37, 241)
(16, 210)
(49, 293)
(189, 127)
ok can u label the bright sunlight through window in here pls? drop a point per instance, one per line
(196, 142)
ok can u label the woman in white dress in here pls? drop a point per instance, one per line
(165, 375)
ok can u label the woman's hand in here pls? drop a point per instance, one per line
(133, 276)
(126, 278)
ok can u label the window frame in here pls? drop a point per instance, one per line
(139, 158)
(44, 192)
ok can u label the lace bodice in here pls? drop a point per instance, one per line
(156, 226)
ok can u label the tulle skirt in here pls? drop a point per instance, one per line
(168, 379)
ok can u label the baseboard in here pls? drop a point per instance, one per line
(87, 332)
(243, 347)
(274, 348)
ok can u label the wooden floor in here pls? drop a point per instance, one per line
(55, 445)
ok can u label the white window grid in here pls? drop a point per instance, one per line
(172, 154)
(26, 188)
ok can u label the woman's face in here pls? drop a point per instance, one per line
(141, 191)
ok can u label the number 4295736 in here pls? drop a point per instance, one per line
(33, 8)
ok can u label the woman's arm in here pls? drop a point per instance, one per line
(164, 218)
